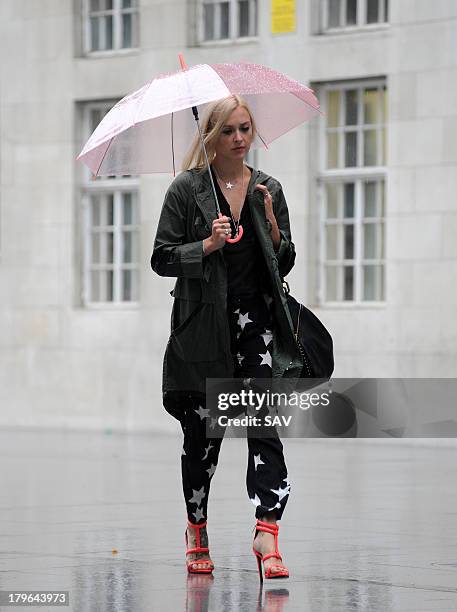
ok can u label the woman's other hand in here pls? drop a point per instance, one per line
(269, 214)
(267, 200)
(219, 234)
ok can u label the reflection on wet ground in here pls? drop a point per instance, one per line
(370, 525)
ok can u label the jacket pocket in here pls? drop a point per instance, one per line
(200, 228)
(194, 336)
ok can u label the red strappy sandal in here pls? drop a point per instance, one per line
(197, 549)
(283, 572)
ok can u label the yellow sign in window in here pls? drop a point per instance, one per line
(282, 16)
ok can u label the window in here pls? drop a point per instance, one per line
(111, 231)
(352, 190)
(228, 20)
(111, 25)
(339, 14)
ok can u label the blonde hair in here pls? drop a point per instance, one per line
(215, 117)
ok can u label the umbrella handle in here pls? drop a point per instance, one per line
(238, 234)
(237, 237)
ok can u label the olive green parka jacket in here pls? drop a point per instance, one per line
(199, 344)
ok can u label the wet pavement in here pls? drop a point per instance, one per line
(370, 525)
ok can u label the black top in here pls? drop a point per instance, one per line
(246, 268)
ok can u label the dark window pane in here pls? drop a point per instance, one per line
(95, 220)
(334, 13)
(332, 150)
(349, 200)
(351, 12)
(126, 3)
(109, 248)
(96, 115)
(109, 286)
(369, 148)
(332, 200)
(95, 246)
(333, 110)
(208, 17)
(94, 38)
(224, 20)
(127, 285)
(372, 11)
(127, 206)
(94, 5)
(373, 282)
(370, 248)
(370, 199)
(127, 247)
(386, 10)
(348, 283)
(127, 30)
(108, 32)
(108, 5)
(110, 209)
(351, 107)
(370, 106)
(349, 241)
(243, 18)
(350, 151)
(253, 18)
(95, 286)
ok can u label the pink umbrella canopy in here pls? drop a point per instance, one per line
(151, 129)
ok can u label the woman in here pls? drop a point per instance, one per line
(229, 316)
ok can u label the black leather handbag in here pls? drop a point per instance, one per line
(314, 341)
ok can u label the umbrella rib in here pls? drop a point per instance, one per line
(104, 155)
(264, 143)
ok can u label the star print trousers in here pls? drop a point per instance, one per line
(250, 324)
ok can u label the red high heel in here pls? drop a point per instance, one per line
(283, 571)
(197, 549)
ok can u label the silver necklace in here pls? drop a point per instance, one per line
(235, 223)
(228, 184)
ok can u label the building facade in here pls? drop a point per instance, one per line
(370, 187)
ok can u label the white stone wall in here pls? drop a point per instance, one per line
(64, 365)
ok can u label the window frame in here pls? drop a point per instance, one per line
(117, 186)
(361, 18)
(340, 176)
(233, 24)
(117, 13)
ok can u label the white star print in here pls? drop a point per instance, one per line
(258, 461)
(229, 185)
(286, 480)
(266, 359)
(211, 470)
(198, 514)
(281, 492)
(256, 501)
(243, 320)
(267, 337)
(240, 358)
(277, 505)
(237, 311)
(202, 412)
(207, 451)
(197, 496)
